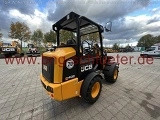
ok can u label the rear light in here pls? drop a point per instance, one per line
(52, 95)
(48, 88)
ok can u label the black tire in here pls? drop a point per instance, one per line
(111, 72)
(90, 92)
(8, 55)
(29, 55)
(17, 55)
(145, 56)
(21, 54)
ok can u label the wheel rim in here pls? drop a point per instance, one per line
(95, 90)
(115, 74)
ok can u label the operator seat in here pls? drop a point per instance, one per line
(62, 44)
(97, 49)
(71, 42)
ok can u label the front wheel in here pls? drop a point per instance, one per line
(92, 91)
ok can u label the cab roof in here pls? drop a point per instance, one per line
(86, 26)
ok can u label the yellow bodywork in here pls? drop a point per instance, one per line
(62, 90)
(60, 55)
(65, 90)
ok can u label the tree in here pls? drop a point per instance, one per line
(1, 35)
(115, 46)
(19, 31)
(50, 37)
(157, 39)
(37, 37)
(66, 35)
(93, 36)
(127, 46)
(146, 41)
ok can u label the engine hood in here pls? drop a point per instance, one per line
(65, 52)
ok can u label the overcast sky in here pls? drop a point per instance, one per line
(131, 18)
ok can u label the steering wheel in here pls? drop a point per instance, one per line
(71, 42)
(88, 49)
(87, 41)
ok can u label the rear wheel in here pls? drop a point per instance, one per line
(91, 92)
(115, 76)
(144, 55)
(111, 72)
(8, 55)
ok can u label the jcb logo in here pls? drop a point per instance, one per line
(8, 49)
(86, 67)
(70, 64)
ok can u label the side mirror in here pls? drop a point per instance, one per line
(108, 26)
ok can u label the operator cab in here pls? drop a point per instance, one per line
(6, 44)
(81, 31)
(30, 46)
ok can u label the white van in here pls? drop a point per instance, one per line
(153, 51)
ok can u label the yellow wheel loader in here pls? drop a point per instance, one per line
(77, 67)
(10, 49)
(32, 50)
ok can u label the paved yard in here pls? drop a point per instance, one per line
(135, 95)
